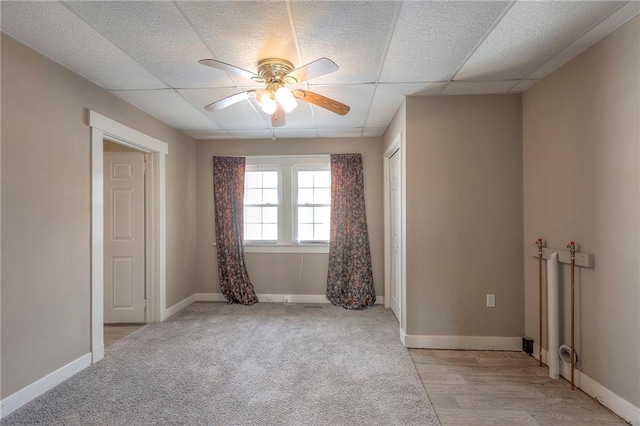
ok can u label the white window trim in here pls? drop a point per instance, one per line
(294, 200)
(280, 205)
(286, 164)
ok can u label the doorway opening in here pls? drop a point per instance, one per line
(103, 128)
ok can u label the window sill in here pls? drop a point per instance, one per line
(286, 248)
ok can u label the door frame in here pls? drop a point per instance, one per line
(156, 237)
(397, 145)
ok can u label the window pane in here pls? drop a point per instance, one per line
(305, 179)
(253, 215)
(270, 215)
(270, 196)
(270, 232)
(270, 179)
(322, 179)
(252, 232)
(305, 215)
(253, 179)
(321, 232)
(322, 215)
(322, 196)
(305, 232)
(253, 196)
(305, 196)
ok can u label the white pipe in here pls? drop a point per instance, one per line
(553, 317)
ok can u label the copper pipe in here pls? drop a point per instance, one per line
(539, 244)
(572, 250)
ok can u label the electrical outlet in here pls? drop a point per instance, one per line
(491, 300)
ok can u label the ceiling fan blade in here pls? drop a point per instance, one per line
(277, 118)
(229, 100)
(231, 69)
(313, 69)
(322, 101)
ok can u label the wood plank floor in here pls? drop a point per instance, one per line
(502, 388)
(115, 332)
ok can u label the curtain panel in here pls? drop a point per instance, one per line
(350, 279)
(228, 196)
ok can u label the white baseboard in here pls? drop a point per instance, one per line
(403, 337)
(97, 354)
(37, 388)
(606, 397)
(277, 298)
(166, 313)
(483, 343)
(209, 297)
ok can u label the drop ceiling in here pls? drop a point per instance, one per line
(147, 53)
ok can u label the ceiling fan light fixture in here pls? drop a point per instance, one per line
(261, 95)
(269, 105)
(286, 99)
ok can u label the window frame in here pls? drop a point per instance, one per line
(279, 206)
(285, 165)
(294, 201)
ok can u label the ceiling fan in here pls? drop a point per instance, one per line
(276, 98)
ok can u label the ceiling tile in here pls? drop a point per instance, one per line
(358, 97)
(241, 115)
(251, 134)
(208, 134)
(285, 133)
(373, 132)
(389, 96)
(340, 133)
(243, 32)
(600, 31)
(168, 106)
(528, 35)
(157, 36)
(350, 33)
(299, 118)
(432, 38)
(522, 86)
(68, 40)
(477, 87)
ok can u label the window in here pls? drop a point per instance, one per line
(261, 205)
(287, 203)
(313, 204)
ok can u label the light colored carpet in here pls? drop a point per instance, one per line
(267, 364)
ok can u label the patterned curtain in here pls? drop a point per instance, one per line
(350, 280)
(228, 195)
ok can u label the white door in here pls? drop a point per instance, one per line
(394, 204)
(124, 237)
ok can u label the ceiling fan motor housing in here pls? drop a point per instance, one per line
(273, 71)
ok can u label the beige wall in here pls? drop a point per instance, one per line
(581, 182)
(278, 273)
(46, 211)
(464, 215)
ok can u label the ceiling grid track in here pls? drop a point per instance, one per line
(383, 60)
(591, 28)
(147, 55)
(479, 43)
(294, 34)
(169, 86)
(188, 21)
(117, 47)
